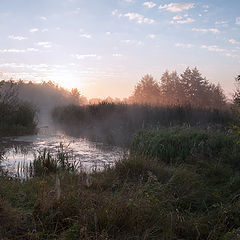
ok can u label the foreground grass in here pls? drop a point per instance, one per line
(141, 197)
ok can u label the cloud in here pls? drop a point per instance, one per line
(181, 20)
(32, 50)
(45, 30)
(84, 35)
(133, 16)
(222, 23)
(213, 48)
(183, 45)
(177, 17)
(230, 55)
(132, 42)
(233, 41)
(45, 44)
(238, 20)
(206, 30)
(152, 36)
(117, 55)
(129, 1)
(43, 18)
(33, 30)
(85, 56)
(114, 12)
(137, 17)
(149, 4)
(19, 38)
(177, 7)
(76, 11)
(14, 50)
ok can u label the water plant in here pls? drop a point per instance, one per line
(46, 162)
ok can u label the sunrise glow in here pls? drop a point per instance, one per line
(105, 47)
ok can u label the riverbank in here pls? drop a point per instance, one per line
(196, 196)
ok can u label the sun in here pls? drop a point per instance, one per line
(66, 79)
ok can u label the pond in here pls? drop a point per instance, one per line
(17, 152)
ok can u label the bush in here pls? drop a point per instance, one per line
(17, 119)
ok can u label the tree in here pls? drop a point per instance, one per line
(195, 88)
(170, 88)
(198, 92)
(217, 97)
(188, 89)
(77, 98)
(236, 96)
(147, 91)
(9, 92)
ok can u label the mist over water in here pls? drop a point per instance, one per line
(19, 151)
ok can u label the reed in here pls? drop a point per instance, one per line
(116, 123)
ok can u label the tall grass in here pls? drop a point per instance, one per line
(176, 145)
(116, 123)
(45, 163)
(146, 195)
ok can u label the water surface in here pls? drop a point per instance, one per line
(19, 151)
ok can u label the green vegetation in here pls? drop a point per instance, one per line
(16, 117)
(46, 163)
(149, 194)
(17, 120)
(176, 145)
(116, 123)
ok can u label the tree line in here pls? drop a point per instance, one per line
(188, 88)
(173, 89)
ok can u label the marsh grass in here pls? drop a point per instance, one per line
(177, 145)
(141, 197)
(117, 123)
(46, 162)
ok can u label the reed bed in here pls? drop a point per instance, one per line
(117, 123)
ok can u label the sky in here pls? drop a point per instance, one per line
(104, 47)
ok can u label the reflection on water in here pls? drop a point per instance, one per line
(20, 151)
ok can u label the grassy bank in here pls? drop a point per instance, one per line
(116, 123)
(144, 196)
